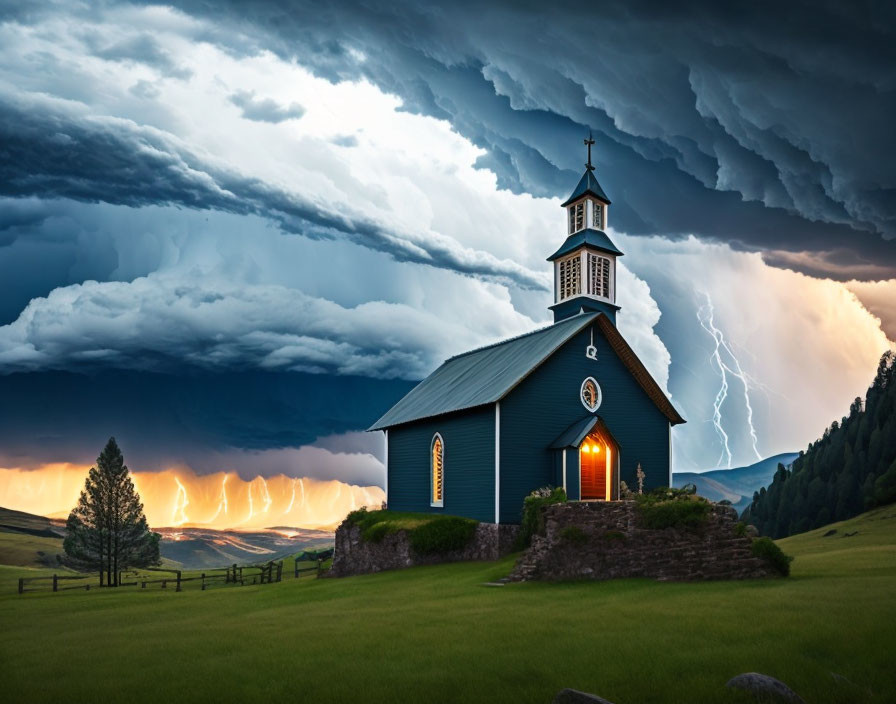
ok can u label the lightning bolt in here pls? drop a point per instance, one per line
(267, 496)
(292, 499)
(180, 505)
(705, 315)
(222, 504)
(251, 509)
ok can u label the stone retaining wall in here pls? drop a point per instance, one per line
(606, 540)
(354, 555)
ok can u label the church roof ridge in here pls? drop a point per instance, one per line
(517, 337)
(484, 375)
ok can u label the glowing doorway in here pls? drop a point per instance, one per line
(598, 460)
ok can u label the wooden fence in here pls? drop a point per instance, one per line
(263, 573)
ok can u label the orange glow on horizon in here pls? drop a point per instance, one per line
(179, 497)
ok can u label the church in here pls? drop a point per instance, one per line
(568, 405)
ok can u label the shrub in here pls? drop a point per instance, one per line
(613, 535)
(573, 534)
(740, 530)
(378, 531)
(673, 508)
(357, 516)
(533, 520)
(768, 550)
(442, 534)
(428, 533)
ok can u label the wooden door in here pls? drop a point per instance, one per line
(597, 460)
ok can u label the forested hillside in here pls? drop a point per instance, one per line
(850, 469)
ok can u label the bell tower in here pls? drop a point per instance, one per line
(585, 265)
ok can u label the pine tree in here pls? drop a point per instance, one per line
(107, 530)
(851, 468)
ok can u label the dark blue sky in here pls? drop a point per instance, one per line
(252, 226)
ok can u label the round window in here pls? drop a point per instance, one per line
(590, 394)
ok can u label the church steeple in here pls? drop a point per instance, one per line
(585, 266)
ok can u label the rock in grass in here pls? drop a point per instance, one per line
(765, 688)
(830, 532)
(574, 696)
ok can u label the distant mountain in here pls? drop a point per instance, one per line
(35, 541)
(195, 548)
(738, 484)
(850, 469)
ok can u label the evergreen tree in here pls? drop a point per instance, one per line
(850, 469)
(107, 530)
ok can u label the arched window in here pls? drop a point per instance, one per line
(437, 471)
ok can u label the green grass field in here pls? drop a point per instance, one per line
(434, 634)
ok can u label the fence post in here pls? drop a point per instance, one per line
(143, 585)
(178, 581)
(241, 576)
(55, 583)
(297, 567)
(164, 583)
(280, 571)
(86, 587)
(203, 581)
(21, 585)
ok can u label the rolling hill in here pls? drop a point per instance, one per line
(27, 540)
(736, 485)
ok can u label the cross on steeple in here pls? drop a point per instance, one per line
(588, 143)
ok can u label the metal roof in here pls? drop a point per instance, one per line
(578, 431)
(598, 239)
(587, 184)
(488, 374)
(482, 376)
(574, 434)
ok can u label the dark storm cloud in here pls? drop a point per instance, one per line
(265, 109)
(765, 125)
(142, 49)
(48, 152)
(166, 419)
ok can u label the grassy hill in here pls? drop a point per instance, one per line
(27, 540)
(436, 634)
(737, 484)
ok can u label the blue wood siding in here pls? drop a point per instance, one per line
(540, 408)
(469, 464)
(572, 474)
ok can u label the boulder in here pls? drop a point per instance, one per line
(765, 688)
(574, 696)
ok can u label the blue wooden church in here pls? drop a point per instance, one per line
(569, 405)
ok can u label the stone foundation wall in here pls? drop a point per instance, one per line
(354, 555)
(606, 540)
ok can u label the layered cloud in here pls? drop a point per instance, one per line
(216, 324)
(116, 161)
(262, 223)
(712, 112)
